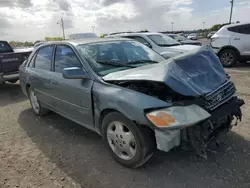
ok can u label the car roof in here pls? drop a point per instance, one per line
(136, 33)
(238, 24)
(85, 41)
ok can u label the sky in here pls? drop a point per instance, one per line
(31, 20)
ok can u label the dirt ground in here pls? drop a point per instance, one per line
(53, 152)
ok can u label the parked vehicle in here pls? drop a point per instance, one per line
(10, 62)
(192, 36)
(117, 88)
(183, 40)
(211, 34)
(82, 36)
(160, 43)
(232, 44)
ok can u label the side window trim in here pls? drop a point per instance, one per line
(30, 64)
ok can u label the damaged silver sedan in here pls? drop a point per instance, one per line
(131, 96)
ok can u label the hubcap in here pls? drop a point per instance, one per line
(227, 58)
(121, 140)
(34, 102)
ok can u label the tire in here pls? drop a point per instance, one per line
(37, 108)
(141, 147)
(229, 57)
(12, 81)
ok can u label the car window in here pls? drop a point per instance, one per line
(112, 56)
(163, 40)
(5, 47)
(233, 29)
(44, 58)
(65, 57)
(139, 39)
(245, 29)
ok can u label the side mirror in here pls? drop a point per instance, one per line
(74, 73)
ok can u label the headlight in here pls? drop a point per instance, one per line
(177, 117)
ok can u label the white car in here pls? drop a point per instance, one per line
(232, 44)
(192, 36)
(162, 44)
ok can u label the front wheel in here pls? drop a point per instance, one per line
(228, 57)
(35, 103)
(130, 144)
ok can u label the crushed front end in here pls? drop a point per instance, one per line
(224, 108)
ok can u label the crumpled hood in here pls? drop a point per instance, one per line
(191, 74)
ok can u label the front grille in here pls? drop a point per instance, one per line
(219, 96)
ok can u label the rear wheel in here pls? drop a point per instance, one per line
(130, 144)
(228, 57)
(38, 109)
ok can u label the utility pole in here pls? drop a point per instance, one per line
(93, 28)
(231, 12)
(203, 24)
(62, 25)
(172, 26)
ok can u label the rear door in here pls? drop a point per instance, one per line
(40, 74)
(241, 38)
(72, 96)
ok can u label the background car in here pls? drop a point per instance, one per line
(192, 36)
(82, 36)
(184, 40)
(161, 43)
(232, 44)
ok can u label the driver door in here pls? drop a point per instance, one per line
(72, 96)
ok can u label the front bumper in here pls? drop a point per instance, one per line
(198, 136)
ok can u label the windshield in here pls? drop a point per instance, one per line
(180, 38)
(113, 56)
(163, 40)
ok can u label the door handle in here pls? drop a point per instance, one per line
(237, 38)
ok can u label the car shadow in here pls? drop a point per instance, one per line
(83, 156)
(10, 93)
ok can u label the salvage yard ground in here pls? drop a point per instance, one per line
(53, 152)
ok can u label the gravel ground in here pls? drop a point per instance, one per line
(54, 152)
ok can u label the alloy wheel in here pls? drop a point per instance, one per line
(121, 140)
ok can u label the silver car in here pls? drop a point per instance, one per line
(127, 93)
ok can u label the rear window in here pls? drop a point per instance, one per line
(243, 29)
(5, 47)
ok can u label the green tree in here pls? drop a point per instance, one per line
(53, 38)
(103, 35)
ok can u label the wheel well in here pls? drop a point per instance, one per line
(109, 110)
(229, 48)
(103, 114)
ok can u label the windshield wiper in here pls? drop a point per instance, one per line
(169, 45)
(142, 61)
(104, 62)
